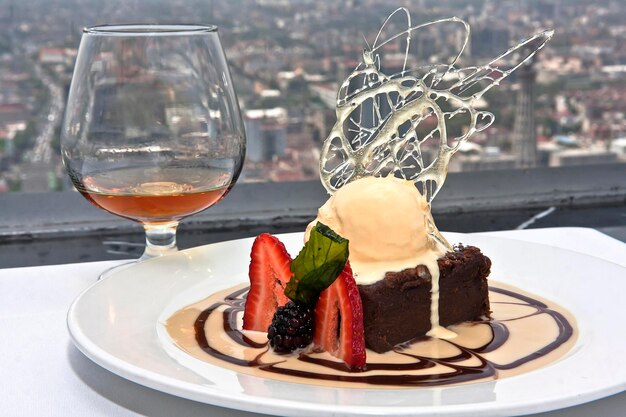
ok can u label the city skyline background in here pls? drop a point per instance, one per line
(287, 59)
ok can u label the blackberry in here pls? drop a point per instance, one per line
(292, 328)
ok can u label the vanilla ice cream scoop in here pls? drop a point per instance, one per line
(388, 223)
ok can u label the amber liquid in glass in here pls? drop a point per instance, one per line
(153, 196)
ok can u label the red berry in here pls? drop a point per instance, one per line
(269, 273)
(339, 321)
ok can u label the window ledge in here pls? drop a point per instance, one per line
(590, 196)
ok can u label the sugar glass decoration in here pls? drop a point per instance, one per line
(384, 121)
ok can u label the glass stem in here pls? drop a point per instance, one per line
(160, 240)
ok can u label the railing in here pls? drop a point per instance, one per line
(46, 228)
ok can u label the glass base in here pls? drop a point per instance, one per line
(157, 251)
(160, 241)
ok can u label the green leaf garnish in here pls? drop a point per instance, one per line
(318, 264)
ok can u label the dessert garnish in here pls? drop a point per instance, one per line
(339, 318)
(317, 265)
(387, 121)
(269, 273)
(324, 307)
(292, 327)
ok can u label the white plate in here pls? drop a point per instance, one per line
(116, 323)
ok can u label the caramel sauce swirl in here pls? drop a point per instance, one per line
(525, 333)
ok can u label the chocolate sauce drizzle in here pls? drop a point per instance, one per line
(455, 373)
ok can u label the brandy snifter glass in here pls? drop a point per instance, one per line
(152, 129)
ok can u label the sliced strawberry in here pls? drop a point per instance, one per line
(269, 273)
(339, 321)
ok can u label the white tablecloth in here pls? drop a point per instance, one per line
(43, 374)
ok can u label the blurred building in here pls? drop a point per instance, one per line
(474, 157)
(489, 41)
(618, 146)
(327, 92)
(57, 56)
(483, 163)
(524, 129)
(13, 113)
(571, 157)
(266, 133)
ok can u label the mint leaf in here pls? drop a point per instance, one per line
(318, 264)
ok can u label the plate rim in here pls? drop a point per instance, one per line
(249, 402)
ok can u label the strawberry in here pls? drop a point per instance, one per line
(269, 274)
(339, 321)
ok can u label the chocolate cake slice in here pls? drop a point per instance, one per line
(396, 309)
